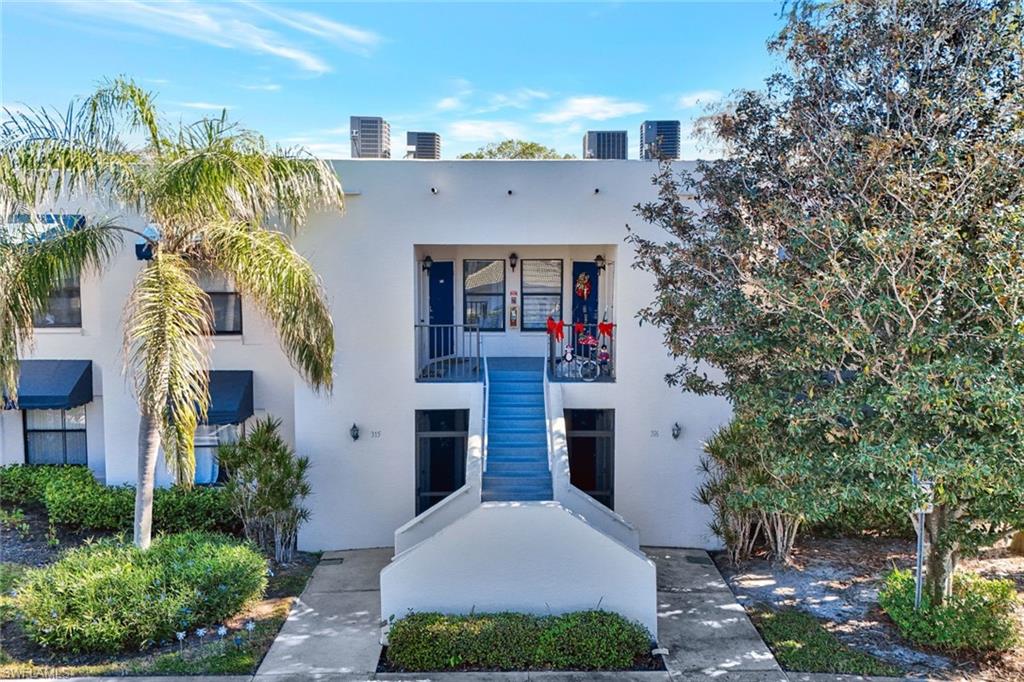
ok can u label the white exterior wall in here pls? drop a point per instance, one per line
(112, 419)
(368, 259)
(364, 490)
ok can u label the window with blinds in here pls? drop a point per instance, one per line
(542, 293)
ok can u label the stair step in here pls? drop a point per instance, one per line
(523, 399)
(502, 387)
(492, 481)
(501, 375)
(504, 496)
(515, 412)
(513, 468)
(515, 438)
(506, 424)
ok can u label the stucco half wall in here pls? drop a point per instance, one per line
(531, 557)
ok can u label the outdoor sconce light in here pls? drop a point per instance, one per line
(433, 190)
(510, 192)
(428, 263)
(597, 190)
(676, 431)
(354, 432)
(599, 261)
(513, 260)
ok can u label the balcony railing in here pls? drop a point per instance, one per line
(448, 352)
(583, 354)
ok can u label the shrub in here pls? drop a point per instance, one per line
(979, 616)
(83, 502)
(585, 640)
(266, 486)
(22, 484)
(110, 596)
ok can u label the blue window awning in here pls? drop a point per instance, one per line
(53, 384)
(230, 397)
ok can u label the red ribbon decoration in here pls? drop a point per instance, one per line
(605, 329)
(556, 329)
(578, 327)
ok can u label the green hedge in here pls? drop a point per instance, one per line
(111, 597)
(21, 484)
(73, 497)
(979, 616)
(585, 640)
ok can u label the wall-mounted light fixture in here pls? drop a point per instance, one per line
(428, 263)
(433, 190)
(677, 430)
(354, 432)
(599, 261)
(513, 260)
(510, 192)
(597, 190)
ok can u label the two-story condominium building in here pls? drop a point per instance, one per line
(499, 415)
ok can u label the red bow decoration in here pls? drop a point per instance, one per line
(556, 329)
(578, 327)
(605, 329)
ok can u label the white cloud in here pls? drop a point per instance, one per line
(267, 87)
(448, 104)
(484, 131)
(232, 27)
(595, 108)
(517, 99)
(688, 100)
(346, 36)
(204, 106)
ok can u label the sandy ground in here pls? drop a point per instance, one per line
(838, 581)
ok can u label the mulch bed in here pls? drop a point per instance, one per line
(32, 548)
(837, 580)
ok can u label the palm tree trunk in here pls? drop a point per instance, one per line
(149, 449)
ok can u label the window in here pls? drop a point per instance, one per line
(208, 438)
(55, 436)
(542, 293)
(484, 294)
(441, 437)
(226, 303)
(591, 436)
(64, 307)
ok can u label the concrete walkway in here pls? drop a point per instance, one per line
(333, 630)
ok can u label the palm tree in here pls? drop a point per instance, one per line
(218, 197)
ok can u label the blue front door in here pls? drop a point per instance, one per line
(442, 309)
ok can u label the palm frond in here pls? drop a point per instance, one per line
(46, 157)
(218, 171)
(166, 330)
(122, 96)
(266, 267)
(35, 258)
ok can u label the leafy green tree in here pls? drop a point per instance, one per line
(219, 198)
(856, 269)
(515, 149)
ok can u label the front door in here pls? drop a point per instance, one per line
(442, 309)
(585, 275)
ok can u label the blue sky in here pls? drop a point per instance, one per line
(474, 72)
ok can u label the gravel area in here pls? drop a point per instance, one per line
(838, 581)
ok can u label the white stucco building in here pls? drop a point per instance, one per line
(484, 447)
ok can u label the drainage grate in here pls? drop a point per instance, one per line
(333, 561)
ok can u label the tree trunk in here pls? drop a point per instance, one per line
(149, 449)
(1017, 545)
(941, 557)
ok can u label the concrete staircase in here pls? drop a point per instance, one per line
(517, 444)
